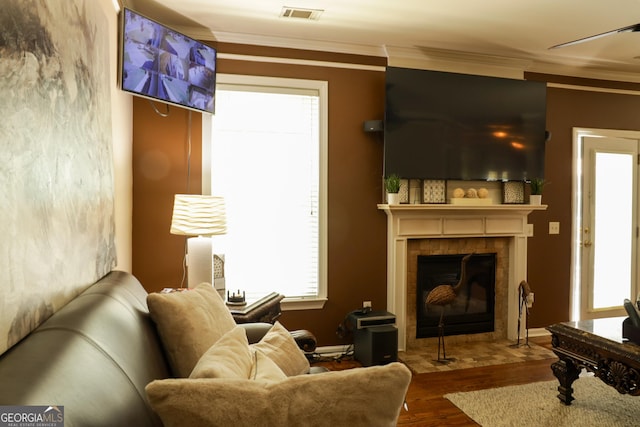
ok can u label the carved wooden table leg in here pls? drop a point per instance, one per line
(567, 373)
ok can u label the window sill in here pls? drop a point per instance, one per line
(289, 304)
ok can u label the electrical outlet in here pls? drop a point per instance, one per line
(554, 228)
(529, 230)
(366, 304)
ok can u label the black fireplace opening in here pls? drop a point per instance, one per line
(471, 310)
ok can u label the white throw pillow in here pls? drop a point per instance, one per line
(279, 346)
(232, 358)
(265, 369)
(229, 357)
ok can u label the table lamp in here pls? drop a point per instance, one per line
(201, 217)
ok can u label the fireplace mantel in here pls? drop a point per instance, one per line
(432, 221)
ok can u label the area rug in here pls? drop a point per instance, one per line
(536, 404)
(472, 355)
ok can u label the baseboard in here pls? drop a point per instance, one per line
(333, 350)
(538, 332)
(337, 350)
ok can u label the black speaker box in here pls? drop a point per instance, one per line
(373, 126)
(376, 345)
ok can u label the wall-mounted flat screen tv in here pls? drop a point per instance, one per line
(442, 125)
(159, 63)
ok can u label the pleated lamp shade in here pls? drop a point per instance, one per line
(198, 215)
(201, 216)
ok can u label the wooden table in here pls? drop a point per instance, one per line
(264, 309)
(597, 346)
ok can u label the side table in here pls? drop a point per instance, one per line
(265, 309)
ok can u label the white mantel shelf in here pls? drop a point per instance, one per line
(464, 209)
(432, 221)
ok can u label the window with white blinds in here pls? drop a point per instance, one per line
(268, 159)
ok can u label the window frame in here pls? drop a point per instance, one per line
(322, 87)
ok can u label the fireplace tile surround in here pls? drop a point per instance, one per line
(481, 245)
(426, 229)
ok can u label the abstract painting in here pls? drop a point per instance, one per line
(56, 168)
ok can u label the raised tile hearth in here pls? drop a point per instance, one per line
(444, 229)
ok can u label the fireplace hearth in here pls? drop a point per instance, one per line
(472, 311)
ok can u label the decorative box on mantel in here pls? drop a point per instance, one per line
(405, 222)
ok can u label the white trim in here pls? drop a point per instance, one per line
(594, 89)
(322, 87)
(302, 304)
(456, 61)
(290, 43)
(578, 70)
(575, 303)
(538, 332)
(333, 350)
(427, 58)
(294, 61)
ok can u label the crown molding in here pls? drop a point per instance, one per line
(427, 57)
(293, 43)
(457, 61)
(198, 33)
(584, 72)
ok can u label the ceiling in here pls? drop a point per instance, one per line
(513, 34)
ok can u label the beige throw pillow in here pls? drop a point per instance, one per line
(279, 346)
(189, 323)
(354, 397)
(265, 369)
(229, 357)
(232, 358)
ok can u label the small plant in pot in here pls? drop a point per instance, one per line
(536, 185)
(392, 185)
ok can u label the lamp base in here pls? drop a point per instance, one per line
(199, 261)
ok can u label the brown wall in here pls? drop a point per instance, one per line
(160, 154)
(550, 255)
(357, 230)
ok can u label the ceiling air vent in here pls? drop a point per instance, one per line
(297, 12)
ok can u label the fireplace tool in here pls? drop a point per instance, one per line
(525, 297)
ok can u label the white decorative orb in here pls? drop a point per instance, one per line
(472, 193)
(458, 193)
(483, 193)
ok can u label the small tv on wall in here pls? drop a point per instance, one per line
(162, 64)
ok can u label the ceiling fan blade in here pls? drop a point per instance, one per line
(630, 28)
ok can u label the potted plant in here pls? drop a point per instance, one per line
(392, 185)
(536, 185)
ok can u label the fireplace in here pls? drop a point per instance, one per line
(456, 229)
(472, 310)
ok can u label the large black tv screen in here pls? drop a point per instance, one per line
(442, 125)
(160, 63)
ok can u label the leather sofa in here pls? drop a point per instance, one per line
(101, 358)
(94, 357)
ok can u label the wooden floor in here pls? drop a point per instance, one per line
(428, 407)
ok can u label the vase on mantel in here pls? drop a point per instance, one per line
(535, 199)
(393, 198)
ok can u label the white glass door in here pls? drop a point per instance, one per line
(608, 233)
